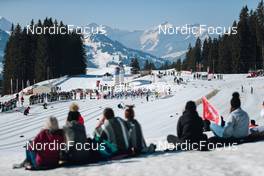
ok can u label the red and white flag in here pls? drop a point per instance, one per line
(209, 112)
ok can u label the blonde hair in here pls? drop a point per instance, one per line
(74, 107)
(51, 123)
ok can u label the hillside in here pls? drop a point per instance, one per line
(246, 159)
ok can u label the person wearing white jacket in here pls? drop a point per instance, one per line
(237, 123)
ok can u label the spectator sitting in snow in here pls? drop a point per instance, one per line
(74, 108)
(75, 135)
(45, 157)
(113, 129)
(136, 138)
(189, 127)
(237, 123)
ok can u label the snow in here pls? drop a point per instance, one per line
(175, 54)
(5, 25)
(158, 119)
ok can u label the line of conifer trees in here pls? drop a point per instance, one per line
(234, 53)
(35, 57)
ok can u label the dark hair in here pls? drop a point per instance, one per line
(253, 122)
(235, 101)
(129, 113)
(236, 95)
(190, 106)
(108, 113)
(73, 116)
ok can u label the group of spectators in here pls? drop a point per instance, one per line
(139, 93)
(8, 105)
(50, 97)
(117, 137)
(206, 76)
(113, 136)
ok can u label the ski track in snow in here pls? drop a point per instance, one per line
(158, 119)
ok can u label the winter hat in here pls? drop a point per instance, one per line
(74, 107)
(190, 106)
(51, 124)
(236, 95)
(73, 115)
(235, 101)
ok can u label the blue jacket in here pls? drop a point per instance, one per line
(237, 124)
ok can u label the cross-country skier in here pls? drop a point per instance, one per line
(26, 111)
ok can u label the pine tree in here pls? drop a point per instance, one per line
(41, 66)
(134, 64)
(178, 65)
(30, 57)
(244, 41)
(260, 34)
(205, 54)
(198, 53)
(147, 65)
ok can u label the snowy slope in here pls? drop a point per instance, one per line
(158, 118)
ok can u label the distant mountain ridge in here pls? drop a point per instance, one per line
(3, 40)
(170, 47)
(102, 51)
(5, 27)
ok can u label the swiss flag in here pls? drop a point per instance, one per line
(209, 112)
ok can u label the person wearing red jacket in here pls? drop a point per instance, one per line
(44, 151)
(81, 120)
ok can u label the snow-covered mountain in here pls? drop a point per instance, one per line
(5, 25)
(155, 42)
(3, 40)
(102, 51)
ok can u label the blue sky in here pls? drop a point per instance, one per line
(126, 14)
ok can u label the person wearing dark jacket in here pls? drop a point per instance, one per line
(189, 127)
(136, 139)
(114, 130)
(75, 135)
